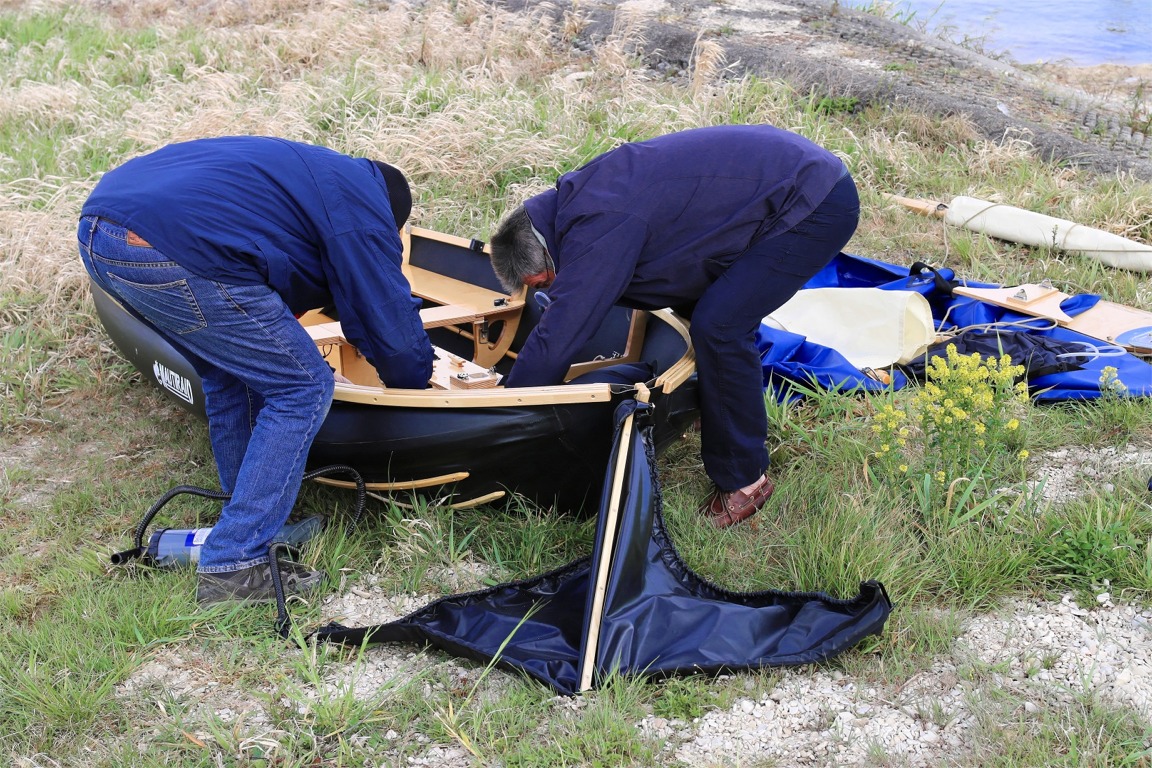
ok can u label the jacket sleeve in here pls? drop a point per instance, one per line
(596, 264)
(377, 312)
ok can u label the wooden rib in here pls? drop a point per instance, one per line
(677, 373)
(399, 485)
(465, 504)
(682, 370)
(469, 503)
(631, 352)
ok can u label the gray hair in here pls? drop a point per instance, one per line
(516, 253)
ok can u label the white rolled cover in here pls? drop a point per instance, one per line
(1017, 225)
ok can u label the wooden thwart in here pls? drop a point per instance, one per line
(453, 372)
(449, 314)
(431, 317)
(1030, 299)
(325, 334)
(441, 289)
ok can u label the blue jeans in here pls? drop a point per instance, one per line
(733, 420)
(267, 389)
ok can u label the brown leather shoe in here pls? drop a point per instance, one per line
(725, 508)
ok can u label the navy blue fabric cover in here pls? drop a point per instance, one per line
(788, 359)
(659, 617)
(1037, 355)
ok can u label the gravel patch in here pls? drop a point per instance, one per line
(1039, 656)
(1042, 654)
(1072, 472)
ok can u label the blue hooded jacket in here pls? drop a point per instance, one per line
(652, 224)
(311, 223)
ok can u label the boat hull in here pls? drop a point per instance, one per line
(439, 447)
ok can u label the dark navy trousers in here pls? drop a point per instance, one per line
(733, 419)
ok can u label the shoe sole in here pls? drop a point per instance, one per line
(298, 591)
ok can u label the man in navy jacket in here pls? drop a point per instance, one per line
(218, 244)
(723, 224)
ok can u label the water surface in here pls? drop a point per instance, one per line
(1080, 32)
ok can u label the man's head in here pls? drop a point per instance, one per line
(399, 193)
(519, 256)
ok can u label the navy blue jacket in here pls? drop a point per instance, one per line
(313, 224)
(653, 224)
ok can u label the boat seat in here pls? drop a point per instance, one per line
(631, 354)
(430, 317)
(448, 371)
(488, 317)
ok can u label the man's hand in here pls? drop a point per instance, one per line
(341, 379)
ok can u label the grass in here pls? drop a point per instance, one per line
(113, 667)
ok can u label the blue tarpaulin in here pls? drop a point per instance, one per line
(788, 358)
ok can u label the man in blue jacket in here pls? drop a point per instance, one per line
(723, 224)
(218, 244)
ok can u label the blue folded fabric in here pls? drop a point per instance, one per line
(790, 363)
(1081, 302)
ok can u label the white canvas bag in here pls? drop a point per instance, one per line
(871, 327)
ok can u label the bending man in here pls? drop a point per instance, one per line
(217, 244)
(723, 224)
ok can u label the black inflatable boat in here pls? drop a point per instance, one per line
(466, 440)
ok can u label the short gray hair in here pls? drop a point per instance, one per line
(516, 253)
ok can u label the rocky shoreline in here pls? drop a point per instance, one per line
(1092, 117)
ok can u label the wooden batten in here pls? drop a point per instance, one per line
(1117, 324)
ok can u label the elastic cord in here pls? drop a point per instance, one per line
(1093, 351)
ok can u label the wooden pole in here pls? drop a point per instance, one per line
(931, 208)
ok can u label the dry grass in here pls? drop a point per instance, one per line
(452, 95)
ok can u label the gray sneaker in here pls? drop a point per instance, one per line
(254, 584)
